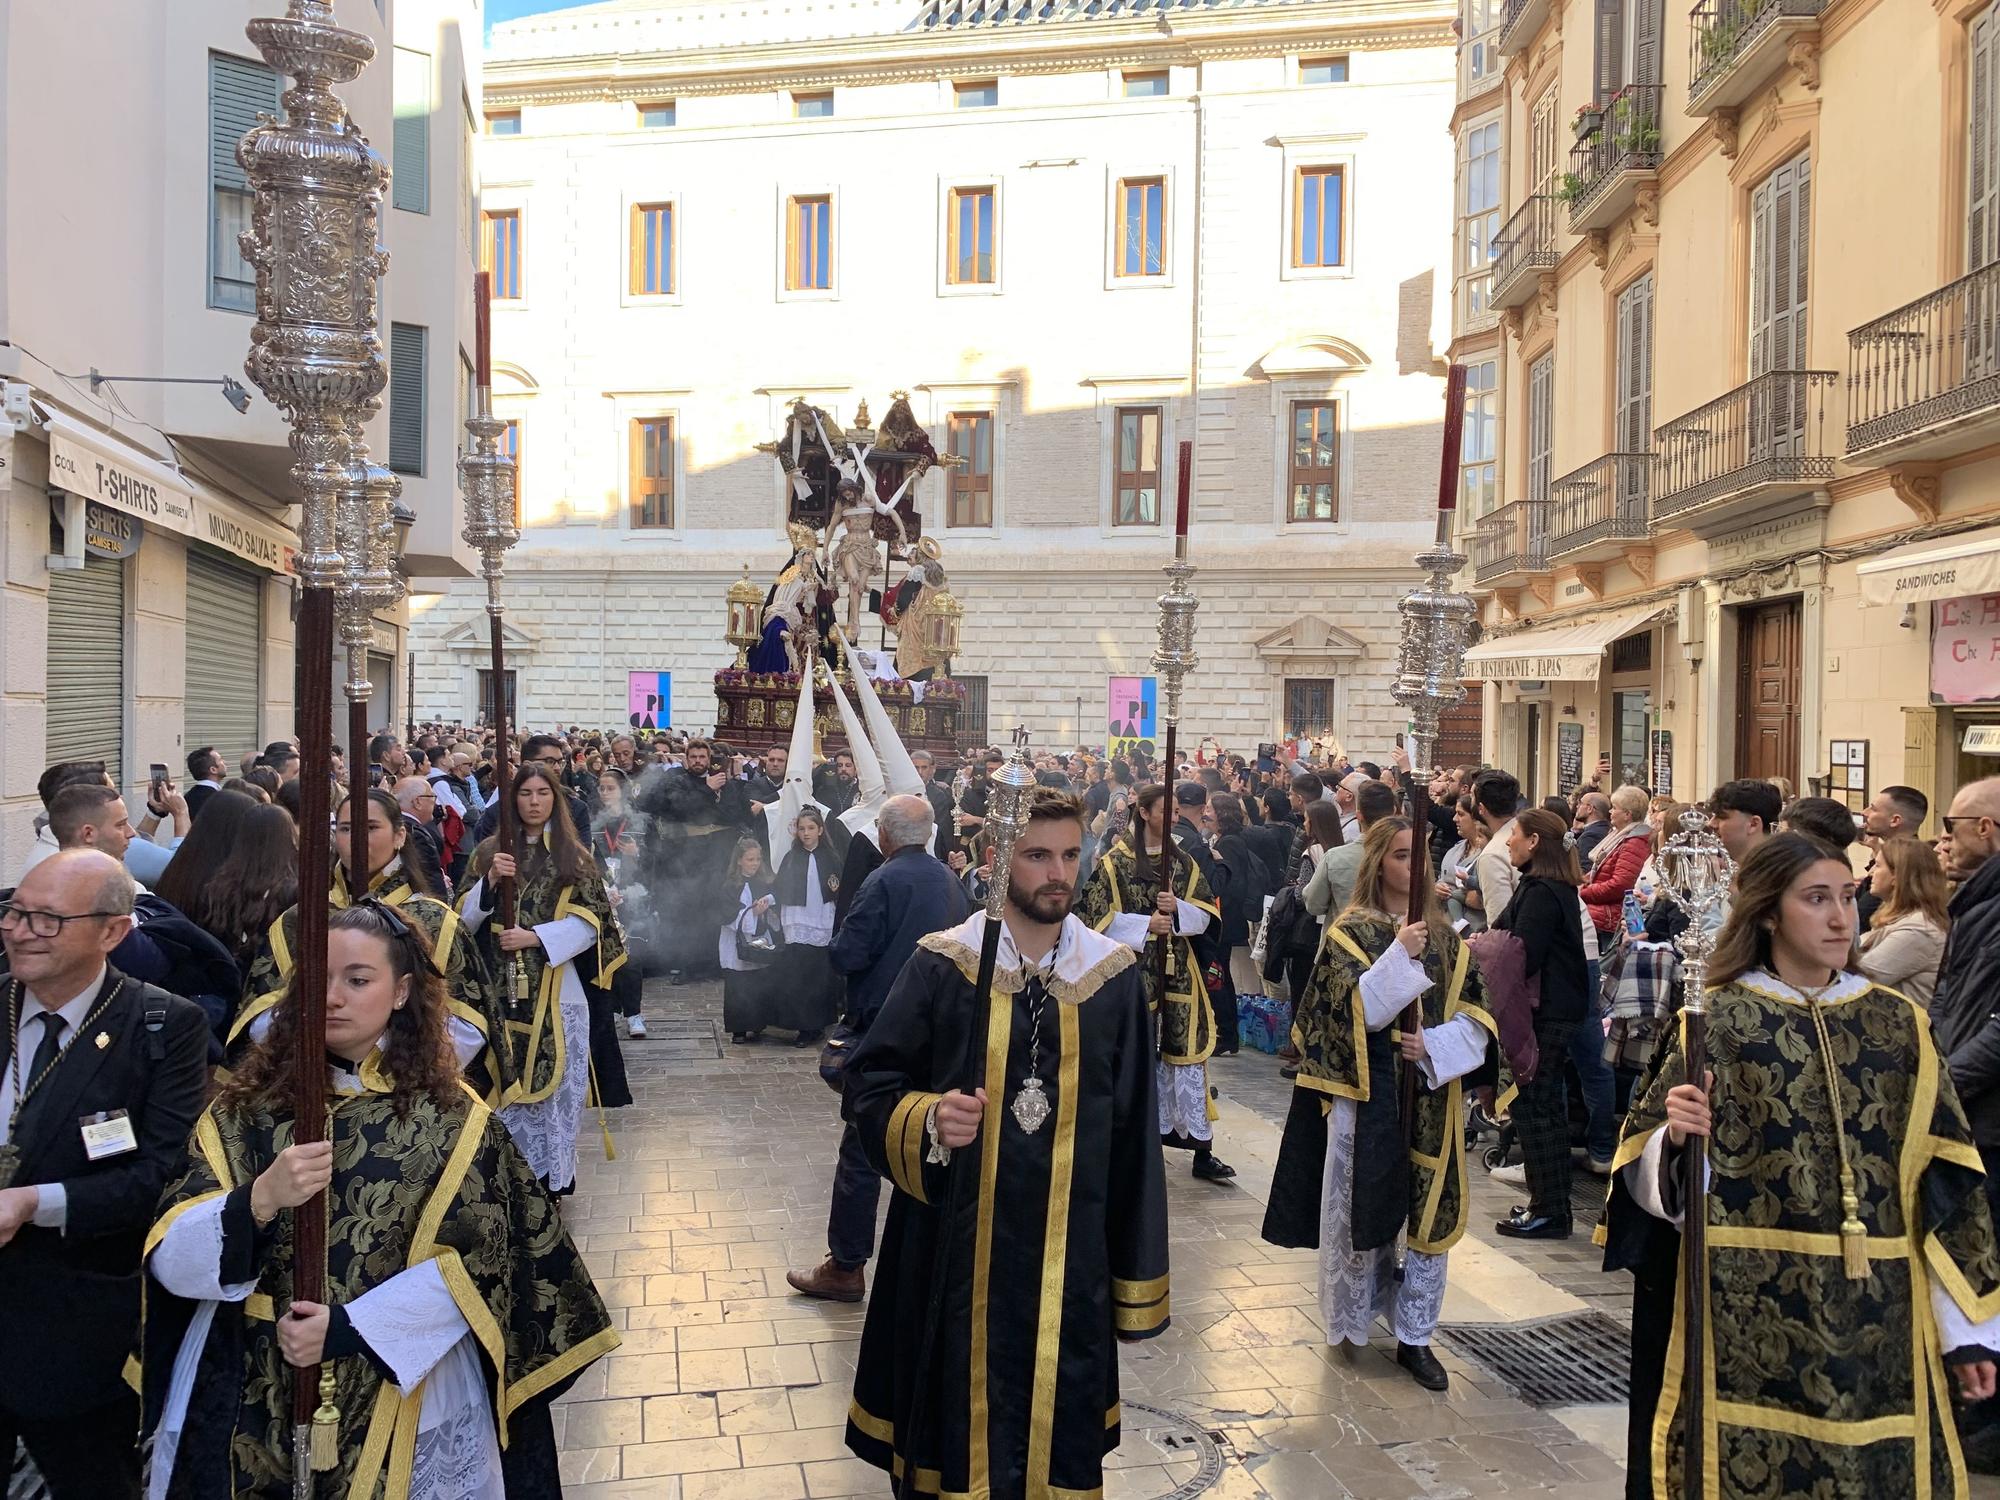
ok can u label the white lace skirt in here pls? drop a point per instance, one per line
(545, 1131)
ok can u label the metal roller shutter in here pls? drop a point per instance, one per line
(87, 665)
(224, 646)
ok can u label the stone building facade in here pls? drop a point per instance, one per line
(1183, 224)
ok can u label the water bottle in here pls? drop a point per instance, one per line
(1635, 920)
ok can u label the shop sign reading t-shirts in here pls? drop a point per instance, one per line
(1965, 649)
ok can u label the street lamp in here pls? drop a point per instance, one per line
(941, 632)
(746, 602)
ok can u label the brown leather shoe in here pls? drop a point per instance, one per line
(829, 1281)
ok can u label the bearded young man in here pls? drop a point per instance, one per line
(1019, 1382)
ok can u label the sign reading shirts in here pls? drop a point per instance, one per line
(1132, 714)
(104, 470)
(649, 699)
(1965, 649)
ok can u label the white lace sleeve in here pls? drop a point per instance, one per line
(564, 938)
(410, 1320)
(188, 1262)
(1391, 983)
(1452, 1050)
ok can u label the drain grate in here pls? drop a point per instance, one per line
(1578, 1359)
(1176, 1438)
(677, 1039)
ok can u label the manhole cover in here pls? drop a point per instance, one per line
(1579, 1359)
(678, 1039)
(1175, 1438)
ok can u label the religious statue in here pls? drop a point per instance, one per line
(854, 557)
(791, 606)
(908, 610)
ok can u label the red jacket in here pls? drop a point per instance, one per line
(1604, 890)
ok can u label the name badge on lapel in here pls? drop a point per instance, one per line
(108, 1134)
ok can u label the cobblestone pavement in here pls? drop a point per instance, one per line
(730, 1388)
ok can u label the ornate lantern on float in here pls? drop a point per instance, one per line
(941, 631)
(746, 602)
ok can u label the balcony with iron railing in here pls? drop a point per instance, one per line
(1511, 543)
(1523, 19)
(1524, 248)
(1752, 453)
(1924, 382)
(1734, 46)
(1610, 164)
(1599, 510)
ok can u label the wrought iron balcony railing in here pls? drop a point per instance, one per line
(1933, 362)
(1768, 432)
(1627, 140)
(1514, 539)
(1602, 501)
(1524, 247)
(1725, 35)
(1521, 20)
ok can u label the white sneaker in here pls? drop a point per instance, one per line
(635, 1026)
(1514, 1176)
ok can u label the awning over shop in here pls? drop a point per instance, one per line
(1556, 653)
(1936, 570)
(102, 467)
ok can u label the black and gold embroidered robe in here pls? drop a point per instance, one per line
(433, 1183)
(1122, 884)
(469, 991)
(1420, 1186)
(1820, 1385)
(1057, 1242)
(537, 1048)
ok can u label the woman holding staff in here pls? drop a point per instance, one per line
(1850, 1252)
(456, 1305)
(1348, 1182)
(564, 933)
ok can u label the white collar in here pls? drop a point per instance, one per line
(213, 786)
(1078, 949)
(72, 1010)
(1765, 983)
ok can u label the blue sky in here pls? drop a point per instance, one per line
(507, 10)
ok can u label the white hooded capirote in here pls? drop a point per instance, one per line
(796, 794)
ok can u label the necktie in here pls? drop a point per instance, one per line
(50, 1048)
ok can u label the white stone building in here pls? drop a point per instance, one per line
(1049, 225)
(119, 208)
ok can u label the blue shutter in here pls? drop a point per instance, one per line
(412, 147)
(406, 397)
(238, 91)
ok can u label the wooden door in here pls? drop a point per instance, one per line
(1767, 691)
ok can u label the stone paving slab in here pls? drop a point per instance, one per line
(729, 1387)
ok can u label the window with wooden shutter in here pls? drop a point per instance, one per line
(1314, 479)
(238, 91)
(654, 273)
(969, 435)
(651, 480)
(1541, 425)
(970, 237)
(1633, 415)
(503, 253)
(1478, 468)
(410, 183)
(1643, 46)
(1543, 160)
(407, 350)
(1780, 242)
(1136, 494)
(809, 244)
(1319, 217)
(1983, 149)
(1608, 65)
(1142, 227)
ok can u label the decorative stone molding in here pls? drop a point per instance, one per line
(1509, 601)
(1311, 646)
(1510, 321)
(1640, 560)
(1598, 242)
(1590, 579)
(1802, 52)
(1918, 487)
(1544, 589)
(1723, 123)
(1647, 201)
(1545, 296)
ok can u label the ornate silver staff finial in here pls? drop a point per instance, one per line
(316, 349)
(366, 531)
(1006, 819)
(487, 477)
(1696, 873)
(1175, 656)
(1437, 624)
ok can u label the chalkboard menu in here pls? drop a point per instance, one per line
(1569, 757)
(1662, 762)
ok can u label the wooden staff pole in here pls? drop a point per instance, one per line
(503, 775)
(1425, 746)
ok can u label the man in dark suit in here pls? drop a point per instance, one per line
(945, 840)
(909, 897)
(425, 849)
(101, 1078)
(206, 767)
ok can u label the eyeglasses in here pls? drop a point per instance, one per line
(46, 924)
(1947, 820)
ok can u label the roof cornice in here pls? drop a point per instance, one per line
(925, 56)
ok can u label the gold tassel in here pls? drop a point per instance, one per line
(1853, 1234)
(603, 1120)
(326, 1426)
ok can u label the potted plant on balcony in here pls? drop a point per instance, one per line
(1632, 133)
(1589, 120)
(1570, 189)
